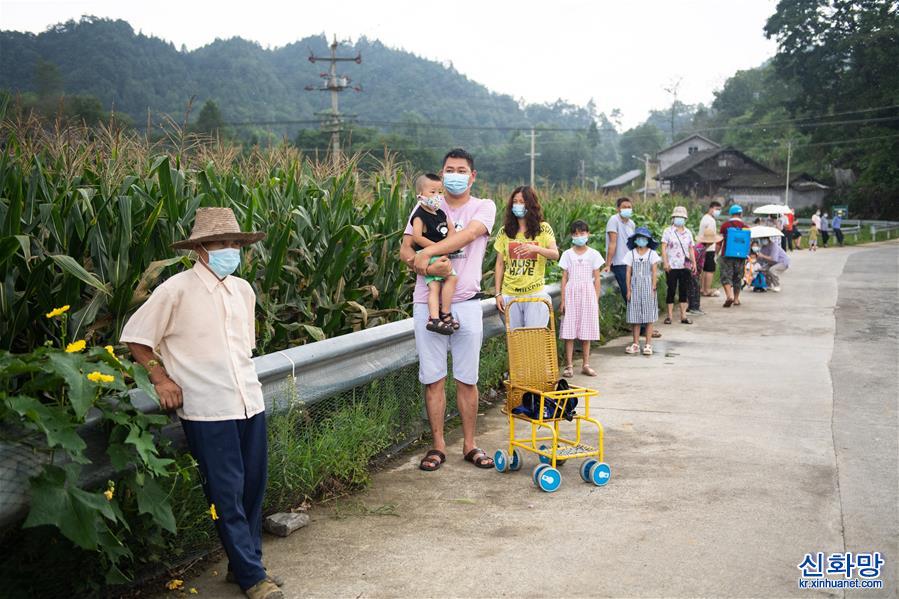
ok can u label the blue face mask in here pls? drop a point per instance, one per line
(224, 262)
(679, 221)
(456, 183)
(519, 210)
(641, 242)
(580, 240)
(627, 212)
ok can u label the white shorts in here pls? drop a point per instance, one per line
(465, 344)
(527, 314)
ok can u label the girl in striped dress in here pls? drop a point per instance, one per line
(581, 266)
(642, 273)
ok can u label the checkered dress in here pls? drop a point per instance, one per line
(581, 320)
(643, 306)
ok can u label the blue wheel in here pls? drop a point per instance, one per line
(543, 458)
(517, 461)
(585, 469)
(549, 479)
(501, 460)
(537, 469)
(600, 474)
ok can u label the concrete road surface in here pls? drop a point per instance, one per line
(759, 434)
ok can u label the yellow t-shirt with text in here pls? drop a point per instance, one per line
(523, 276)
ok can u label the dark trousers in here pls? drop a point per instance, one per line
(825, 236)
(839, 234)
(693, 295)
(785, 240)
(232, 456)
(620, 272)
(679, 279)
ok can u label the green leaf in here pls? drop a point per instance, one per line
(314, 332)
(58, 430)
(81, 392)
(53, 504)
(70, 266)
(152, 500)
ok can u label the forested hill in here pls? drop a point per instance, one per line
(134, 72)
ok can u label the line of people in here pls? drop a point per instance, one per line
(196, 333)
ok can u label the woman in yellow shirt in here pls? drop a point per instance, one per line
(523, 246)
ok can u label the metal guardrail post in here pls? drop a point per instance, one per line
(873, 232)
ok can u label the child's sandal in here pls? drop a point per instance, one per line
(633, 348)
(447, 318)
(435, 325)
(568, 372)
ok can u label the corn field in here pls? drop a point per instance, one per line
(88, 217)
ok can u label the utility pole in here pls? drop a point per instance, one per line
(332, 120)
(787, 189)
(645, 174)
(672, 89)
(583, 174)
(533, 154)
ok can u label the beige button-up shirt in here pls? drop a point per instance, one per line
(203, 329)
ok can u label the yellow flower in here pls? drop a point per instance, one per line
(212, 511)
(98, 377)
(57, 311)
(111, 351)
(76, 346)
(174, 584)
(194, 591)
(108, 493)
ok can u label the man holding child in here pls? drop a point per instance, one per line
(463, 253)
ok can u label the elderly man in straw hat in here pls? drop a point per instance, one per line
(195, 336)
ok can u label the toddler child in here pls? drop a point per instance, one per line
(430, 224)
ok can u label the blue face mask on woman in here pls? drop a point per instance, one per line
(224, 262)
(641, 242)
(627, 212)
(679, 221)
(519, 210)
(456, 183)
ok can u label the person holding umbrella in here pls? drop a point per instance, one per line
(773, 260)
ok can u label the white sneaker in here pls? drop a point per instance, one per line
(775, 289)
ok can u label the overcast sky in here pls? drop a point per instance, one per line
(622, 53)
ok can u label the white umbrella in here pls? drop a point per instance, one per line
(763, 231)
(773, 209)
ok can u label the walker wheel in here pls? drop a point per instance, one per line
(501, 460)
(543, 458)
(516, 462)
(585, 469)
(600, 474)
(537, 469)
(549, 479)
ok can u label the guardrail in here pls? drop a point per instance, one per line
(305, 374)
(887, 229)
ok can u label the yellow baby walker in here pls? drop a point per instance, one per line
(534, 369)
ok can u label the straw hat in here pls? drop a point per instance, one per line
(709, 236)
(216, 224)
(679, 211)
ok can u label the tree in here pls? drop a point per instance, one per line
(642, 139)
(210, 119)
(47, 80)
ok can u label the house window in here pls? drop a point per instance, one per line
(692, 149)
(722, 162)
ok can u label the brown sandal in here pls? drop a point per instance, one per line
(429, 463)
(479, 458)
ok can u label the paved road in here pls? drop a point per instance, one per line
(760, 433)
